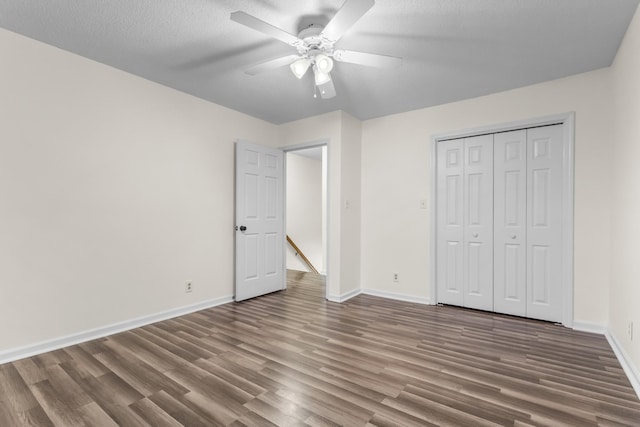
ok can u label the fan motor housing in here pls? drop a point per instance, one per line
(312, 38)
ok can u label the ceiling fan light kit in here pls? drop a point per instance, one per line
(324, 63)
(315, 46)
(300, 67)
(320, 77)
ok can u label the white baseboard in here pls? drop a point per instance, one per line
(627, 365)
(393, 295)
(346, 296)
(57, 343)
(45, 346)
(595, 328)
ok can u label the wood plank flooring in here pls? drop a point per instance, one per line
(291, 358)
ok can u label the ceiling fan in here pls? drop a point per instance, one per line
(315, 45)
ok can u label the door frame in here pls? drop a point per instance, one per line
(568, 196)
(327, 170)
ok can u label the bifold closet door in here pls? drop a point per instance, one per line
(544, 223)
(449, 218)
(465, 222)
(528, 223)
(510, 223)
(478, 223)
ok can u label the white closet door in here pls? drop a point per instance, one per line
(510, 222)
(478, 222)
(544, 223)
(449, 219)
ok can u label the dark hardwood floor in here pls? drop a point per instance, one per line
(292, 358)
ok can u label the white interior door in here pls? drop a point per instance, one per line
(450, 182)
(510, 222)
(544, 223)
(259, 220)
(478, 222)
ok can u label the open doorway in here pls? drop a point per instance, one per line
(306, 215)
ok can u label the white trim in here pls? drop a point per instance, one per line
(305, 145)
(91, 334)
(568, 197)
(433, 223)
(627, 365)
(346, 296)
(395, 296)
(433, 236)
(505, 127)
(594, 328)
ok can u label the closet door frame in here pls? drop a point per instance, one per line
(565, 119)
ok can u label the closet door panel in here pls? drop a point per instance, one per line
(449, 218)
(478, 222)
(510, 198)
(544, 223)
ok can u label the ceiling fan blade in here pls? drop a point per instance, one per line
(327, 90)
(369, 59)
(349, 13)
(265, 28)
(271, 65)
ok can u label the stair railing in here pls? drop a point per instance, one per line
(302, 256)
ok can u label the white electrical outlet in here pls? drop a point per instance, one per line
(188, 287)
(395, 277)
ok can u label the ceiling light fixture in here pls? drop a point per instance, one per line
(299, 68)
(324, 63)
(320, 76)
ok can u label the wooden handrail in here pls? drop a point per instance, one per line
(299, 252)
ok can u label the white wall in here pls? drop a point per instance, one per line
(304, 211)
(625, 277)
(395, 177)
(351, 173)
(340, 132)
(114, 191)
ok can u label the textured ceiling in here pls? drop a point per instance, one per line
(451, 49)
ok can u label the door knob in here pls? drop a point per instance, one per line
(513, 236)
(475, 235)
(243, 228)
